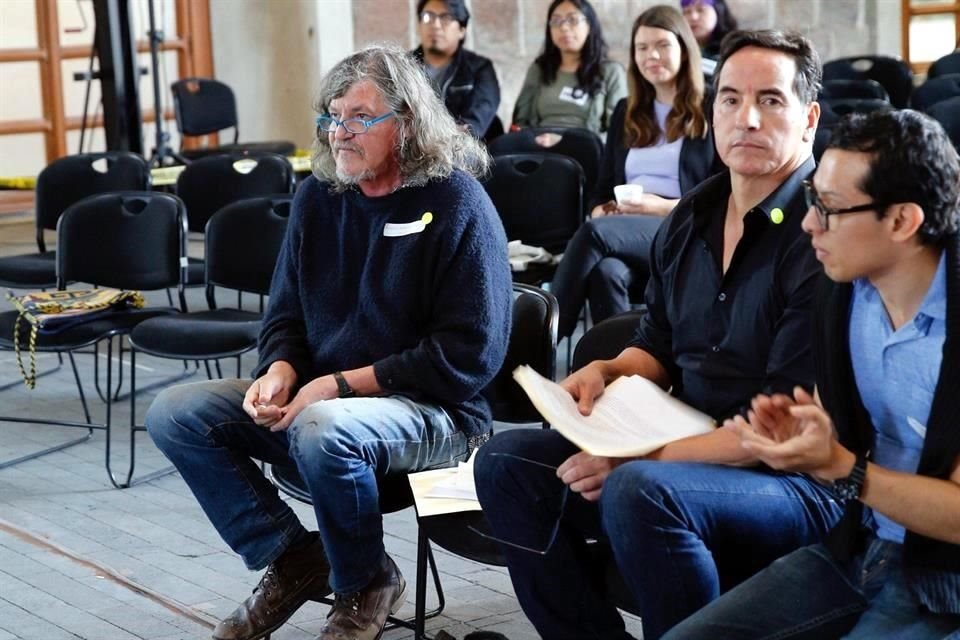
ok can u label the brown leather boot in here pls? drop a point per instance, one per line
(300, 574)
(362, 615)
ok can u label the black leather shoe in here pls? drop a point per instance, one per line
(300, 574)
(362, 615)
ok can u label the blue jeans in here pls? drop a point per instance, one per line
(809, 595)
(339, 448)
(679, 532)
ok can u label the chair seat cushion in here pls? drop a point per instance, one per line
(216, 333)
(29, 271)
(113, 323)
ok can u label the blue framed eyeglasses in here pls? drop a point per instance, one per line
(356, 126)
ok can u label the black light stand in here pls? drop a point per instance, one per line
(162, 153)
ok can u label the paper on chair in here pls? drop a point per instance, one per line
(445, 490)
(632, 418)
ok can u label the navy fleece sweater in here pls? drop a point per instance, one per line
(429, 307)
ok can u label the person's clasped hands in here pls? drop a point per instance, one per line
(268, 400)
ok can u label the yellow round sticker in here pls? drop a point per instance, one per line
(426, 218)
(776, 215)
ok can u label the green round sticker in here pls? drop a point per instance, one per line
(427, 217)
(776, 215)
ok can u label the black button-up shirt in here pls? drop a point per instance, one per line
(725, 337)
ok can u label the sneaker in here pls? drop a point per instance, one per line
(362, 615)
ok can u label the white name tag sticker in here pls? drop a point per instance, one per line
(573, 95)
(398, 229)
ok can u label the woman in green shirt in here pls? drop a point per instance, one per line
(572, 83)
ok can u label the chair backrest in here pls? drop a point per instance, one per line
(126, 240)
(947, 113)
(539, 198)
(894, 74)
(242, 243)
(209, 184)
(582, 145)
(949, 63)
(844, 106)
(935, 90)
(70, 179)
(605, 340)
(203, 106)
(853, 88)
(533, 342)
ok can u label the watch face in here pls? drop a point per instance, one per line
(846, 490)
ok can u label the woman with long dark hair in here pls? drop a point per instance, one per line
(572, 83)
(710, 21)
(659, 139)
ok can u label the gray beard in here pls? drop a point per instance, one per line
(353, 180)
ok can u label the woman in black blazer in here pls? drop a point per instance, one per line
(659, 138)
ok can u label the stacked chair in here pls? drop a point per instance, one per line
(209, 184)
(61, 184)
(893, 74)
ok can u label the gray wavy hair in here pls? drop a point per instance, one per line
(430, 145)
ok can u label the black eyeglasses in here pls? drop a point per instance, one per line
(443, 19)
(824, 212)
(556, 525)
(572, 20)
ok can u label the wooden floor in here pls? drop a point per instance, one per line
(80, 559)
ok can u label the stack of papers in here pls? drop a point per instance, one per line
(445, 490)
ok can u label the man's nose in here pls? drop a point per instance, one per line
(748, 116)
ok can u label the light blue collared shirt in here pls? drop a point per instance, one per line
(896, 374)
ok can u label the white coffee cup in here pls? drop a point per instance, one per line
(628, 193)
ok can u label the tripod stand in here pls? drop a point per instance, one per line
(162, 153)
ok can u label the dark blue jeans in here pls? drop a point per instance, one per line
(339, 447)
(605, 259)
(807, 595)
(680, 532)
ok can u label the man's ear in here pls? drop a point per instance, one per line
(813, 119)
(905, 220)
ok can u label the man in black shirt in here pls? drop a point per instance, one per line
(465, 81)
(729, 301)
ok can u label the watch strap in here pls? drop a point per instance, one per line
(344, 390)
(851, 487)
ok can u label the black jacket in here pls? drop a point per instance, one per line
(698, 160)
(472, 93)
(838, 392)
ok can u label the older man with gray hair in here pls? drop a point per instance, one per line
(389, 312)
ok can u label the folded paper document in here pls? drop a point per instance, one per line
(445, 490)
(632, 418)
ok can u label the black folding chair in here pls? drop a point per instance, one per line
(540, 200)
(947, 113)
(935, 90)
(127, 240)
(533, 341)
(949, 63)
(892, 73)
(62, 183)
(242, 243)
(203, 106)
(582, 145)
(209, 184)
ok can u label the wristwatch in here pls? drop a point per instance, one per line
(851, 487)
(344, 390)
